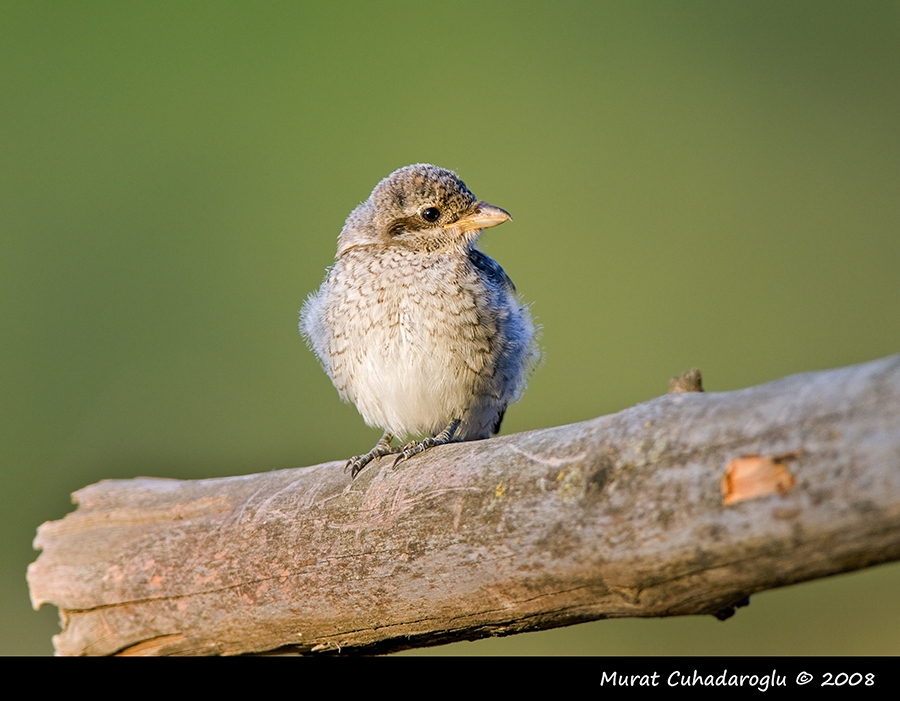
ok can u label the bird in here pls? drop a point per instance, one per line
(416, 326)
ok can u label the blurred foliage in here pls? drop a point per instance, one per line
(709, 184)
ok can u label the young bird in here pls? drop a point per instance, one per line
(422, 331)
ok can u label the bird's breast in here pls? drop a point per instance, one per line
(418, 345)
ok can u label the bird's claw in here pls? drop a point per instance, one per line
(443, 438)
(383, 447)
(358, 462)
(414, 448)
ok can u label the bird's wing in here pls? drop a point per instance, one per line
(491, 269)
(496, 428)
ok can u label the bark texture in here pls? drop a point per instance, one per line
(685, 504)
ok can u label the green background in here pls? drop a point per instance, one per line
(709, 184)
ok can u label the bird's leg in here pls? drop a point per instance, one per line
(382, 447)
(414, 448)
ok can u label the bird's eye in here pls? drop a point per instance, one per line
(431, 214)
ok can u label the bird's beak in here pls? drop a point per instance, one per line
(484, 216)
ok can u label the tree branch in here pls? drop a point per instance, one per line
(686, 504)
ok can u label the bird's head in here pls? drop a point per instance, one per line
(420, 207)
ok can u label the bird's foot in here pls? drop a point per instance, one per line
(416, 447)
(382, 447)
